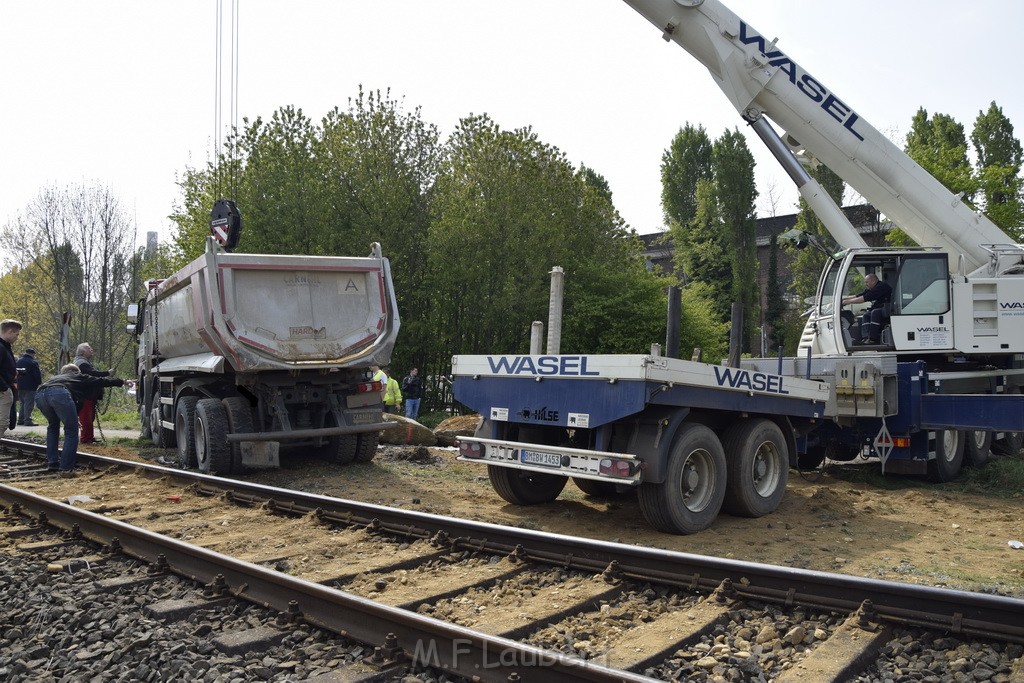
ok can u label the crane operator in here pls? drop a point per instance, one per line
(879, 294)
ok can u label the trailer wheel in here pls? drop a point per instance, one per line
(184, 430)
(757, 467)
(691, 495)
(211, 437)
(596, 489)
(949, 456)
(978, 448)
(521, 487)
(239, 414)
(366, 446)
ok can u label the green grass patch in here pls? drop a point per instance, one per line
(1001, 477)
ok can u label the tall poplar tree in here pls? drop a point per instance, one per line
(999, 163)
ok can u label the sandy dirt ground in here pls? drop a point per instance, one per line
(914, 532)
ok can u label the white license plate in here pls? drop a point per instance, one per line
(537, 458)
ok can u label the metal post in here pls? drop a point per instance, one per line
(672, 326)
(536, 337)
(555, 311)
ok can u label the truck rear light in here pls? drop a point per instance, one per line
(366, 387)
(901, 441)
(471, 450)
(616, 468)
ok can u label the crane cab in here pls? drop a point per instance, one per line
(918, 316)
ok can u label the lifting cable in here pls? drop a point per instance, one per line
(225, 180)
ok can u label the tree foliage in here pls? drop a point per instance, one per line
(72, 251)
(999, 163)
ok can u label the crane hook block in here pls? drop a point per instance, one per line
(226, 223)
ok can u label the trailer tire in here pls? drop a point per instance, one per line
(213, 454)
(691, 496)
(184, 430)
(366, 446)
(757, 468)
(239, 414)
(978, 448)
(949, 456)
(522, 487)
(596, 489)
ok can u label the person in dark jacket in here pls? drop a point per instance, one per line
(59, 399)
(9, 332)
(412, 390)
(29, 379)
(87, 410)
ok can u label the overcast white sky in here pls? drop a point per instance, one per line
(122, 93)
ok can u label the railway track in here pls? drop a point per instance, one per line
(425, 593)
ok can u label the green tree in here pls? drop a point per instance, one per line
(507, 208)
(703, 251)
(737, 195)
(999, 162)
(775, 298)
(939, 144)
(687, 160)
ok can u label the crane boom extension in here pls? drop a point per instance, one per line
(759, 79)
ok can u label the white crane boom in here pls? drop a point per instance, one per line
(759, 79)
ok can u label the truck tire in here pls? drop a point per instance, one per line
(949, 456)
(757, 468)
(366, 446)
(340, 449)
(1011, 442)
(213, 454)
(162, 438)
(239, 414)
(146, 429)
(521, 487)
(691, 495)
(978, 448)
(184, 429)
(596, 489)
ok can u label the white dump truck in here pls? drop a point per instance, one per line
(243, 354)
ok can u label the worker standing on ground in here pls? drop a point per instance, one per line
(9, 332)
(29, 378)
(393, 394)
(87, 411)
(412, 392)
(59, 399)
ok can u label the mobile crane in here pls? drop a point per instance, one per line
(935, 390)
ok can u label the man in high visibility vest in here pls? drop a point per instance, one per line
(393, 394)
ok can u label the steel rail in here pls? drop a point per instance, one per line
(963, 612)
(426, 641)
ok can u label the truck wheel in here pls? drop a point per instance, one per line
(757, 467)
(184, 426)
(949, 456)
(691, 495)
(978, 448)
(239, 414)
(146, 430)
(1011, 442)
(521, 487)
(213, 454)
(162, 438)
(596, 489)
(366, 447)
